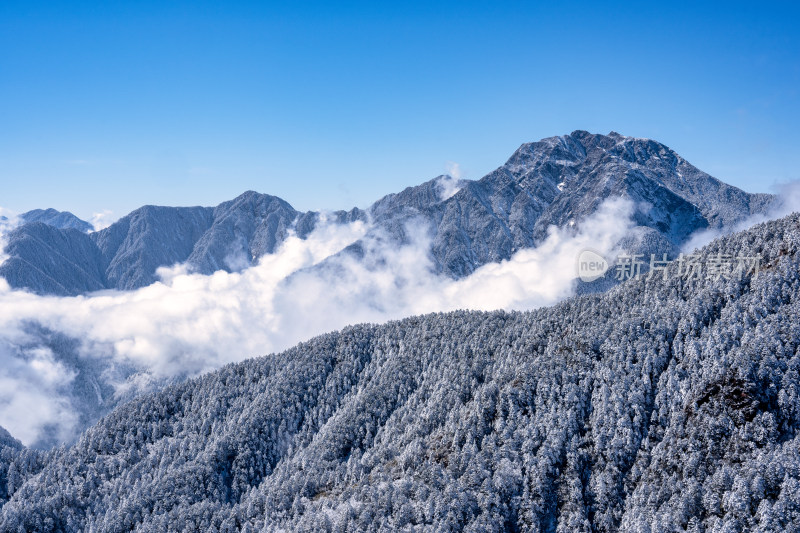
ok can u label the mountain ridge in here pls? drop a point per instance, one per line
(557, 181)
(58, 219)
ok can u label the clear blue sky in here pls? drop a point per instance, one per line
(112, 105)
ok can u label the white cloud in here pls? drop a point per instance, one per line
(31, 399)
(102, 219)
(454, 170)
(449, 184)
(788, 201)
(191, 323)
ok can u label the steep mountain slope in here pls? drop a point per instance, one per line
(557, 181)
(250, 226)
(7, 441)
(9, 448)
(17, 464)
(237, 240)
(50, 260)
(561, 181)
(661, 405)
(150, 237)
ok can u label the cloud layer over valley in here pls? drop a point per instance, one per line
(60, 354)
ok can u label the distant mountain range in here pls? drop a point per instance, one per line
(57, 219)
(556, 181)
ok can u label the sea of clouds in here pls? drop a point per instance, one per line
(188, 323)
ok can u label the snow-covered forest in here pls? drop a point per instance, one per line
(661, 405)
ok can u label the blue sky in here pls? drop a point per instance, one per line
(114, 105)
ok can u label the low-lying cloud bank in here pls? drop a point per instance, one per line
(190, 323)
(787, 201)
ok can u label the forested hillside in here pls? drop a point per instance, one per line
(662, 405)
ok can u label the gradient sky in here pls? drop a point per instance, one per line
(112, 105)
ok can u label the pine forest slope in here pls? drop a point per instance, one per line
(661, 405)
